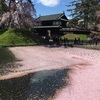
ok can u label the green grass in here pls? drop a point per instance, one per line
(72, 36)
(14, 37)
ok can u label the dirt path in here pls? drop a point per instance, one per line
(85, 65)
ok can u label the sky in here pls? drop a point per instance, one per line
(47, 7)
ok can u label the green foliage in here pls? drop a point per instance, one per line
(3, 6)
(85, 11)
(73, 23)
(72, 36)
(14, 37)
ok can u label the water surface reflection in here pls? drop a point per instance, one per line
(40, 85)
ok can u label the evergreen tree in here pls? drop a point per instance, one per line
(3, 6)
(85, 10)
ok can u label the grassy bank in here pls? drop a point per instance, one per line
(83, 37)
(72, 36)
(16, 37)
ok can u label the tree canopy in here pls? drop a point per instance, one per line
(17, 13)
(85, 11)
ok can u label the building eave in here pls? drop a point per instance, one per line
(38, 27)
(63, 19)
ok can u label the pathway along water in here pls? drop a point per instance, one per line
(40, 85)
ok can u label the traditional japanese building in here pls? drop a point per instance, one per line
(51, 24)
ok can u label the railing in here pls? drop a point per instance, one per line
(74, 29)
(74, 43)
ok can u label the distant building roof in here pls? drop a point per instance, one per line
(53, 17)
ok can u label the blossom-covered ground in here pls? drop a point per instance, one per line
(84, 83)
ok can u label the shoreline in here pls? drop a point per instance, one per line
(84, 66)
(53, 58)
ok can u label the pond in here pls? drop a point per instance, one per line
(41, 85)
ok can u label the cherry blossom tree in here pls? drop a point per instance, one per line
(18, 14)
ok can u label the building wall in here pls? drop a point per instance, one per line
(46, 23)
(53, 31)
(53, 23)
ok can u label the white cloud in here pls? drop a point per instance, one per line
(49, 3)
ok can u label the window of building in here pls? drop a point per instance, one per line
(57, 23)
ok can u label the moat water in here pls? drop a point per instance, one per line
(41, 85)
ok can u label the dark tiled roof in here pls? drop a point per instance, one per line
(52, 17)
